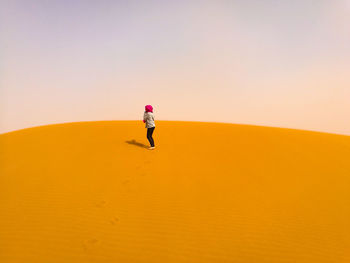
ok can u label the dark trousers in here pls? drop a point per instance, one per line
(149, 136)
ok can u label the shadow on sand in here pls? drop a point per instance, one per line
(137, 144)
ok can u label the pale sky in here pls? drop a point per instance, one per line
(262, 62)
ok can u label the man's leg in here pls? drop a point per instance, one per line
(150, 136)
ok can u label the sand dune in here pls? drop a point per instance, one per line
(210, 192)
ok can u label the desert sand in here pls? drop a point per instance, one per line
(209, 192)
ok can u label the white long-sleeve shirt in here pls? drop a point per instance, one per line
(149, 118)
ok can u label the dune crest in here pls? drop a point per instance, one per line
(209, 192)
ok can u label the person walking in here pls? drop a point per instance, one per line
(148, 118)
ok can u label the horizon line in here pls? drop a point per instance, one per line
(213, 122)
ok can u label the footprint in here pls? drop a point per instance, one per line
(114, 220)
(101, 204)
(90, 244)
(126, 182)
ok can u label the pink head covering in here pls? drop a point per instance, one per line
(149, 108)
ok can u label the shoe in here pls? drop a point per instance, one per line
(151, 148)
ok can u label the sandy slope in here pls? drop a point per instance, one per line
(210, 192)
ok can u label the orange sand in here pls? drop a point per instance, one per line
(210, 192)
